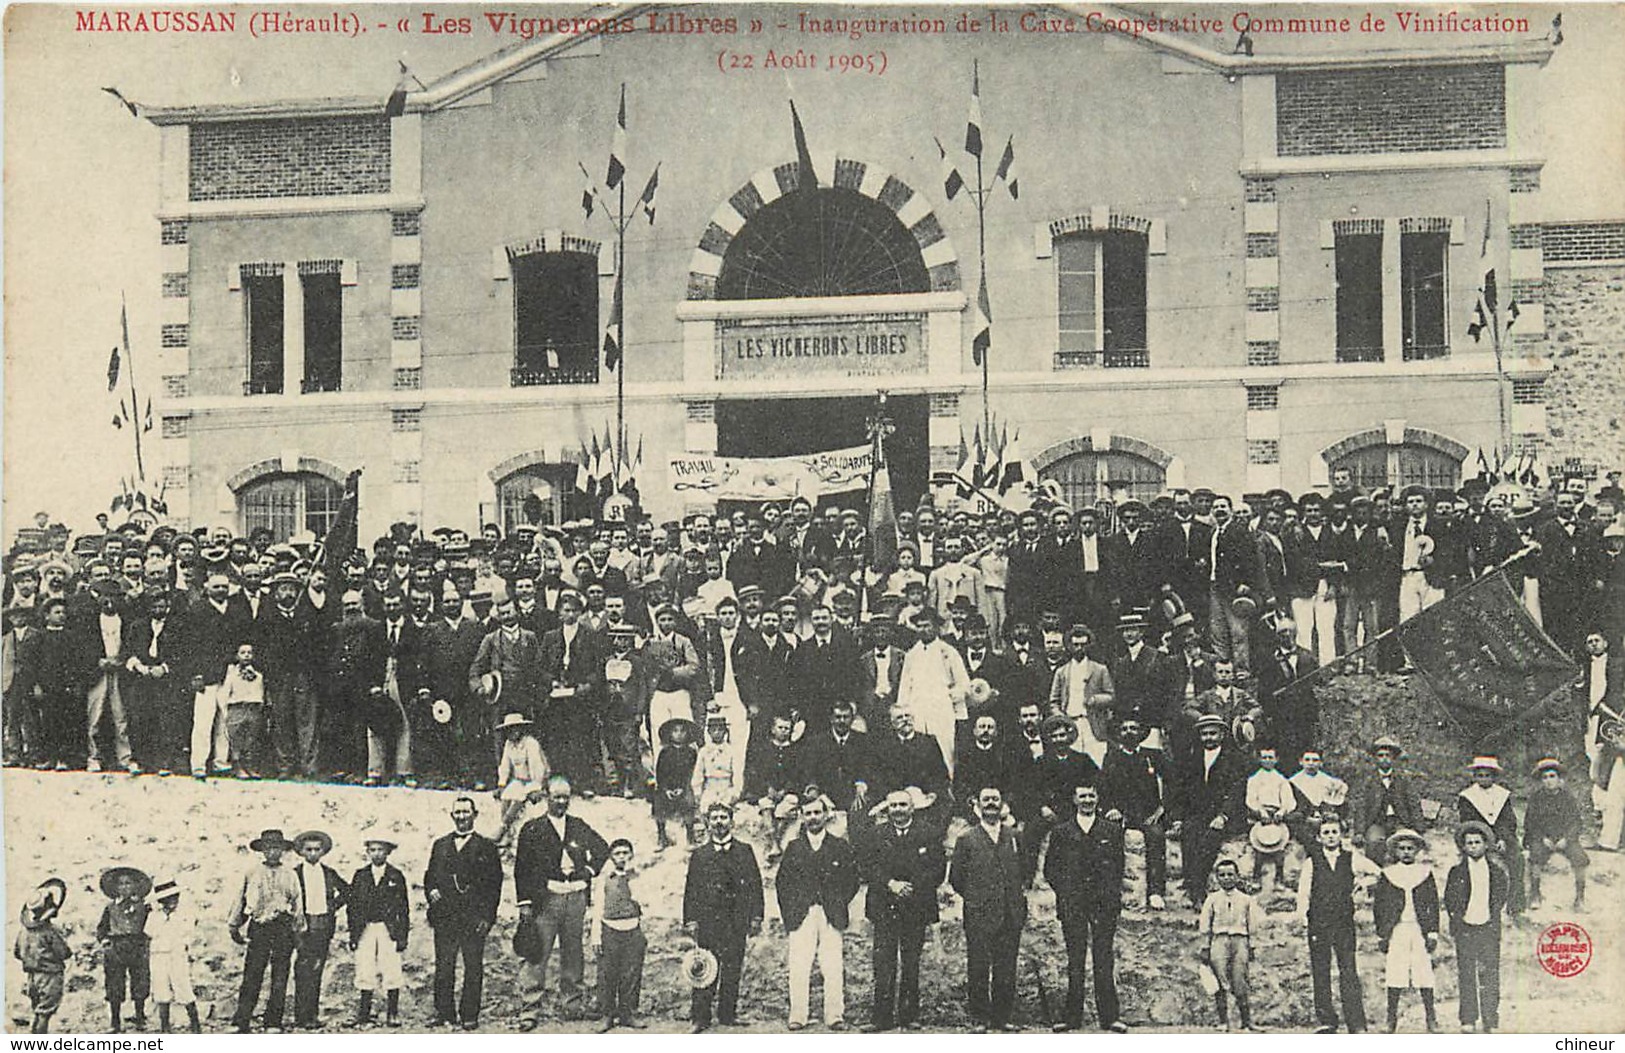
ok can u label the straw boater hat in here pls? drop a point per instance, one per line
(1386, 742)
(318, 836)
(386, 842)
(110, 878)
(1210, 720)
(1269, 838)
(514, 720)
(1489, 762)
(1402, 835)
(700, 968)
(1546, 764)
(45, 901)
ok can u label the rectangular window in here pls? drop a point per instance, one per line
(1359, 297)
(556, 333)
(263, 296)
(1422, 286)
(324, 332)
(1101, 282)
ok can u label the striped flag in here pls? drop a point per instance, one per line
(612, 332)
(808, 176)
(1016, 469)
(617, 150)
(583, 480)
(606, 465)
(647, 198)
(596, 472)
(984, 325)
(973, 126)
(146, 424)
(967, 468)
(952, 181)
(1007, 170)
(989, 469)
(882, 526)
(1484, 309)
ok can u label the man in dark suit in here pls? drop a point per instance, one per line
(901, 757)
(214, 628)
(533, 613)
(986, 872)
(464, 884)
(817, 879)
(322, 893)
(903, 863)
(158, 699)
(821, 670)
(404, 704)
(1027, 584)
(983, 759)
(286, 639)
(1210, 787)
(759, 561)
(1475, 894)
(1184, 545)
(836, 760)
(1064, 568)
(1565, 553)
(554, 863)
(459, 747)
(1237, 567)
(722, 909)
(572, 668)
(1291, 712)
(1085, 868)
(880, 673)
(1132, 556)
(1385, 800)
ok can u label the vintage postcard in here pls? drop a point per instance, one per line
(774, 518)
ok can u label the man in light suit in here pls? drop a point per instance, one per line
(986, 872)
(1082, 690)
(1085, 868)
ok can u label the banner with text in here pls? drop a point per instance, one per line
(1485, 656)
(848, 346)
(807, 475)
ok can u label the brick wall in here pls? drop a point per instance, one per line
(312, 157)
(1390, 110)
(1581, 242)
(1585, 338)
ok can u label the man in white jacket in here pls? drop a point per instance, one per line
(934, 685)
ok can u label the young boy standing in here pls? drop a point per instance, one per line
(171, 929)
(122, 935)
(1229, 919)
(1326, 910)
(1405, 907)
(1475, 893)
(1551, 825)
(674, 779)
(380, 919)
(43, 952)
(617, 934)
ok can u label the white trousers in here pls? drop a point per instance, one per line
(172, 978)
(1416, 595)
(1317, 624)
(816, 938)
(209, 731)
(1613, 808)
(377, 962)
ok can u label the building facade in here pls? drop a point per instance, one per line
(1224, 270)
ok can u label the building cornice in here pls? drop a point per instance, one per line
(263, 208)
(1430, 160)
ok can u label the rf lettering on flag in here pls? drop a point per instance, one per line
(1488, 661)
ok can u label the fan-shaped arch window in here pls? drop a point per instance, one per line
(539, 494)
(1087, 476)
(1410, 463)
(289, 502)
(824, 242)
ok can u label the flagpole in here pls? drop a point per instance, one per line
(136, 423)
(1500, 378)
(620, 371)
(981, 260)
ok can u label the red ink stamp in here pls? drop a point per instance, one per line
(1564, 949)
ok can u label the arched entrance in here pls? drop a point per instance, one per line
(829, 241)
(1419, 457)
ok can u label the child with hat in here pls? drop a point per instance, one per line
(1551, 824)
(43, 952)
(1475, 893)
(718, 772)
(1487, 800)
(521, 772)
(171, 930)
(675, 768)
(122, 935)
(1405, 908)
(380, 919)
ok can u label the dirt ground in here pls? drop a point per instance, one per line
(73, 824)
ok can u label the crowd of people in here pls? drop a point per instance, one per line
(1015, 691)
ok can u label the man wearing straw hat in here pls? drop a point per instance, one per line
(1487, 800)
(322, 892)
(268, 907)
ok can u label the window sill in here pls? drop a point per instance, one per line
(318, 387)
(529, 378)
(1136, 358)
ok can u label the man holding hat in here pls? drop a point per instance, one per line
(722, 909)
(380, 920)
(321, 893)
(269, 907)
(904, 864)
(289, 639)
